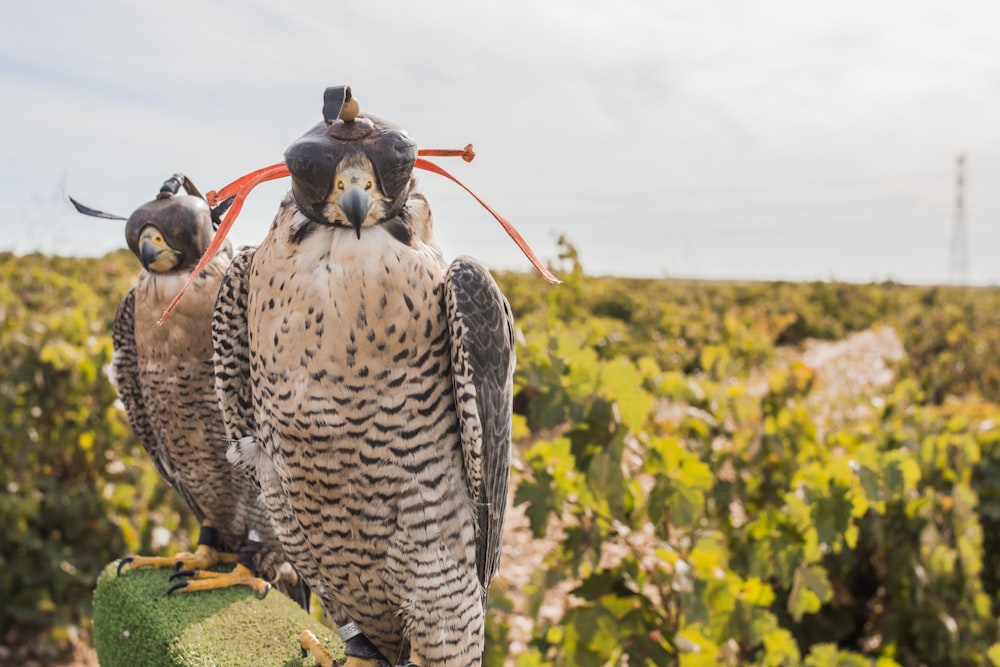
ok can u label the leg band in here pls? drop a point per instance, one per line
(210, 537)
(356, 644)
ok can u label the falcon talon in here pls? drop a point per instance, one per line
(311, 645)
(267, 589)
(177, 587)
(182, 574)
(123, 562)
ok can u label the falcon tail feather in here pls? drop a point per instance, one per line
(93, 212)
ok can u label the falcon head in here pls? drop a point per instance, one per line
(170, 233)
(352, 169)
(355, 200)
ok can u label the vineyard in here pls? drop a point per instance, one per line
(704, 473)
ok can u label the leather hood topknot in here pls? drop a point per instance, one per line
(313, 158)
(186, 219)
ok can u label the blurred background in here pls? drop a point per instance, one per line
(721, 139)
(762, 409)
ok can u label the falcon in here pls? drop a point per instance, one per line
(368, 386)
(164, 376)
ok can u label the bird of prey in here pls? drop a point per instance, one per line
(368, 386)
(164, 376)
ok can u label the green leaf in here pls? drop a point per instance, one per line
(780, 649)
(695, 474)
(994, 654)
(622, 382)
(586, 641)
(548, 409)
(606, 480)
(602, 582)
(756, 592)
(719, 596)
(686, 505)
(695, 649)
(555, 479)
(715, 360)
(709, 557)
(822, 655)
(682, 481)
(532, 658)
(810, 589)
(539, 498)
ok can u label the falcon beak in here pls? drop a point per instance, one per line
(154, 253)
(355, 204)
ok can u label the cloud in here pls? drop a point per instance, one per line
(588, 119)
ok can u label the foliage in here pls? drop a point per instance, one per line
(78, 491)
(705, 512)
(707, 521)
(953, 339)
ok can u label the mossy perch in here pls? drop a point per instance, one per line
(136, 623)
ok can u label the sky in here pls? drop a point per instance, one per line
(712, 139)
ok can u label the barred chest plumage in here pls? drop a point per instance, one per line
(356, 339)
(355, 407)
(178, 396)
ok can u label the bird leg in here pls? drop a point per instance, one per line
(288, 581)
(358, 649)
(267, 563)
(310, 645)
(207, 554)
(201, 579)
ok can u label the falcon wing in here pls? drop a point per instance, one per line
(128, 382)
(482, 351)
(231, 340)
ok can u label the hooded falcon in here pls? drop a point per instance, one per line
(164, 376)
(368, 385)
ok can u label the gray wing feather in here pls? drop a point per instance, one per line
(128, 383)
(482, 337)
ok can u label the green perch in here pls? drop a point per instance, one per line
(136, 623)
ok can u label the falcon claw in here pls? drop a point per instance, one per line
(123, 562)
(193, 580)
(177, 587)
(309, 644)
(178, 566)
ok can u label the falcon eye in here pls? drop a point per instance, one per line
(340, 185)
(368, 186)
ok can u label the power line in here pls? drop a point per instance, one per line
(958, 268)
